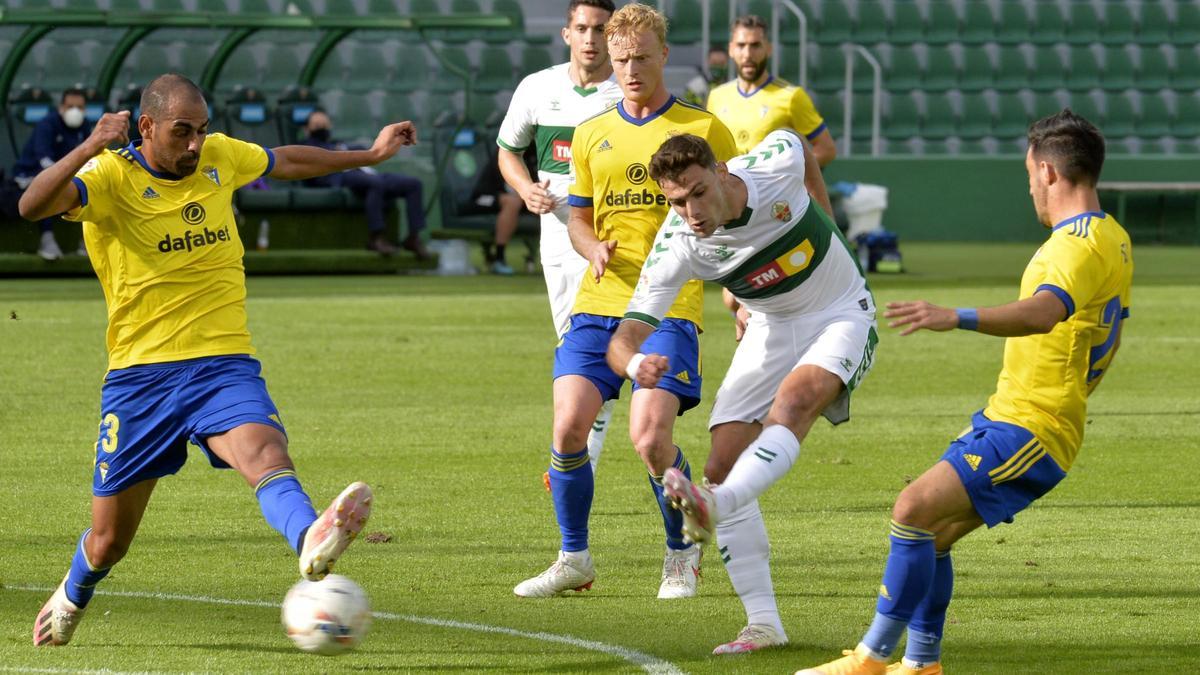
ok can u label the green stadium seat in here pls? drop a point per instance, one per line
(836, 24)
(978, 146)
(1012, 68)
(1120, 25)
(1155, 118)
(1120, 71)
(1187, 115)
(383, 8)
(904, 71)
(1084, 71)
(341, 8)
(1047, 68)
(282, 69)
(64, 68)
(424, 7)
(1085, 103)
(976, 120)
(979, 24)
(1154, 67)
(241, 68)
(1047, 103)
(397, 107)
(534, 58)
(262, 7)
(1186, 29)
(443, 79)
(1049, 25)
(684, 22)
(861, 120)
(941, 69)
(941, 120)
(718, 22)
(977, 69)
(1013, 25)
(1187, 68)
(832, 71)
(458, 7)
(495, 70)
(903, 117)
(1012, 118)
(483, 111)
(192, 59)
(412, 66)
(1155, 26)
(212, 6)
(873, 24)
(908, 26)
(1120, 115)
(501, 36)
(942, 25)
(144, 63)
(165, 6)
(831, 105)
(1083, 23)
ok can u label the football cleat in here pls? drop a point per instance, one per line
(57, 620)
(680, 573)
(696, 503)
(754, 637)
(856, 662)
(901, 668)
(571, 572)
(330, 534)
(546, 481)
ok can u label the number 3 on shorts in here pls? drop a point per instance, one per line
(109, 426)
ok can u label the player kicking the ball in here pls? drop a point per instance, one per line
(751, 226)
(158, 222)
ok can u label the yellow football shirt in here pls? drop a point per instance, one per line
(610, 155)
(1088, 263)
(774, 105)
(167, 252)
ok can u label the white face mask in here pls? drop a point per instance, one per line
(73, 117)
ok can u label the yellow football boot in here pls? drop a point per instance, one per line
(857, 662)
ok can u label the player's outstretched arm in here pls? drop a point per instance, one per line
(52, 191)
(1033, 315)
(814, 182)
(625, 359)
(582, 230)
(297, 162)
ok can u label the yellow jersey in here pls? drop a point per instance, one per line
(167, 252)
(610, 153)
(1088, 263)
(775, 104)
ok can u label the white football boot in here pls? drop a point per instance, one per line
(571, 572)
(696, 503)
(330, 534)
(680, 573)
(754, 637)
(57, 619)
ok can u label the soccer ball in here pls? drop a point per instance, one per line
(326, 617)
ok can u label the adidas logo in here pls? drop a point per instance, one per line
(973, 460)
(149, 193)
(604, 146)
(683, 377)
(883, 591)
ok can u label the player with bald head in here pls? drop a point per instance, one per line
(160, 230)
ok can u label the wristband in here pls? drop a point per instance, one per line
(968, 318)
(632, 369)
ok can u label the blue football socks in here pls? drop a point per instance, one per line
(572, 484)
(82, 579)
(906, 582)
(929, 619)
(672, 518)
(285, 506)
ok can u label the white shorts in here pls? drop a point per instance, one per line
(840, 340)
(562, 285)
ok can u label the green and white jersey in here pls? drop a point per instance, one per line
(545, 109)
(783, 256)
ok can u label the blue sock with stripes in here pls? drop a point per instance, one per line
(928, 620)
(906, 581)
(672, 518)
(82, 579)
(572, 484)
(285, 506)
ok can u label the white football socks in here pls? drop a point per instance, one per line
(760, 466)
(595, 440)
(742, 543)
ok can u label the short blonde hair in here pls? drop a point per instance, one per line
(635, 18)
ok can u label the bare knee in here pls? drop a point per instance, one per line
(656, 449)
(570, 434)
(105, 548)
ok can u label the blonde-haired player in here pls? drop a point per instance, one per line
(616, 211)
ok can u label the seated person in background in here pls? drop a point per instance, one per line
(509, 205)
(703, 83)
(55, 135)
(376, 189)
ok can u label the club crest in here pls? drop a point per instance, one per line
(781, 211)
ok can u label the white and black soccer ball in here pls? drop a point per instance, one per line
(326, 617)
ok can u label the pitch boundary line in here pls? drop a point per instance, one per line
(646, 662)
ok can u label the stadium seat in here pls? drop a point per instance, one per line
(836, 24)
(832, 72)
(1046, 103)
(533, 59)
(908, 26)
(193, 59)
(904, 71)
(1187, 68)
(873, 24)
(1084, 72)
(685, 22)
(412, 66)
(502, 36)
(26, 107)
(1048, 24)
(979, 24)
(1154, 67)
(1048, 68)
(941, 68)
(1012, 67)
(282, 69)
(241, 68)
(249, 118)
(1187, 115)
(941, 119)
(385, 8)
(1120, 24)
(1120, 71)
(1083, 23)
(1155, 26)
(976, 120)
(942, 25)
(979, 146)
(1156, 118)
(903, 117)
(257, 7)
(342, 8)
(1012, 117)
(861, 120)
(460, 35)
(1087, 104)
(495, 70)
(444, 79)
(976, 71)
(1120, 117)
(144, 63)
(295, 104)
(1186, 29)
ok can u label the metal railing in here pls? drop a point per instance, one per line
(850, 50)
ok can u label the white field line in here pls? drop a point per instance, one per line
(646, 662)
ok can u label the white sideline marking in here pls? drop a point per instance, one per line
(648, 663)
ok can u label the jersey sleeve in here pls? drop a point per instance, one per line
(721, 141)
(516, 131)
(663, 274)
(805, 117)
(1071, 271)
(580, 192)
(95, 182)
(249, 161)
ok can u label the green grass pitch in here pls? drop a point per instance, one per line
(436, 391)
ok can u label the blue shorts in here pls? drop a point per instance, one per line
(1003, 467)
(582, 351)
(148, 414)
